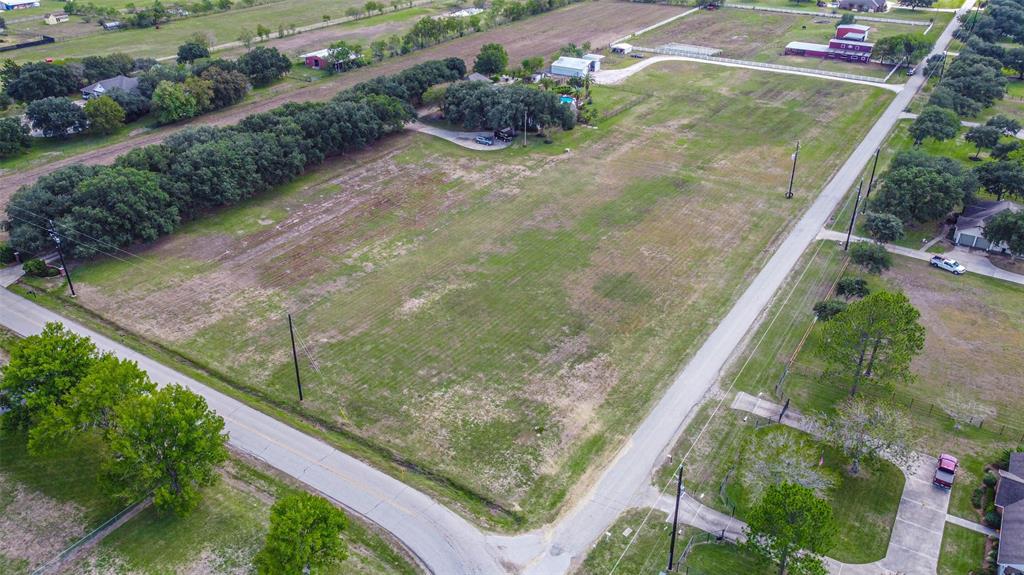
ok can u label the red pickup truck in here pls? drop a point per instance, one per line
(945, 472)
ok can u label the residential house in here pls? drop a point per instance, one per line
(863, 5)
(478, 77)
(1010, 503)
(18, 4)
(320, 60)
(970, 225)
(843, 47)
(55, 18)
(103, 86)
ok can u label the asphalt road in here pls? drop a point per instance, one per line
(443, 540)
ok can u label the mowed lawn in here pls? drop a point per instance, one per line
(503, 319)
(762, 37)
(220, 27)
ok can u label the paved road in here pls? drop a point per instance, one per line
(975, 261)
(443, 540)
(616, 76)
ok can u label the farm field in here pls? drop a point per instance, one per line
(507, 317)
(761, 36)
(220, 27)
(598, 22)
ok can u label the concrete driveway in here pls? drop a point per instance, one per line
(975, 261)
(464, 139)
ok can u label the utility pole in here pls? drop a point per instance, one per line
(871, 181)
(67, 273)
(792, 173)
(853, 216)
(295, 356)
(675, 521)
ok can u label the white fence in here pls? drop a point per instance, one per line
(828, 14)
(669, 51)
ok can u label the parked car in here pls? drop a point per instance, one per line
(949, 265)
(911, 71)
(945, 471)
(484, 140)
(637, 56)
(505, 134)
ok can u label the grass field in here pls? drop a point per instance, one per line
(762, 36)
(649, 551)
(223, 535)
(971, 312)
(963, 551)
(220, 27)
(509, 316)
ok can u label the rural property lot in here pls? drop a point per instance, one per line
(762, 36)
(506, 317)
(598, 22)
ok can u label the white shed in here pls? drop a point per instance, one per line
(622, 48)
(595, 61)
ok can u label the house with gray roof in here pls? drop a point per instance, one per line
(103, 86)
(970, 225)
(1010, 503)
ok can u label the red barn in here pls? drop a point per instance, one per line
(317, 60)
(855, 32)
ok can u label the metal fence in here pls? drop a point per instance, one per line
(669, 51)
(88, 538)
(828, 15)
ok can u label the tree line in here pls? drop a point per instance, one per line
(150, 191)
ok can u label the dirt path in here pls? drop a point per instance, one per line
(599, 22)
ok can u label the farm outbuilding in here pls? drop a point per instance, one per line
(622, 48)
(18, 4)
(855, 32)
(320, 60)
(842, 47)
(576, 67)
(55, 18)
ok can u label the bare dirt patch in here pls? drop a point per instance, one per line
(34, 527)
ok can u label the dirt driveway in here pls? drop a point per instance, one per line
(598, 22)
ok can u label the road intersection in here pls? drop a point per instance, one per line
(443, 540)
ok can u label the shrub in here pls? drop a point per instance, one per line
(992, 519)
(1004, 458)
(14, 137)
(871, 257)
(990, 479)
(978, 497)
(827, 309)
(852, 287)
(38, 268)
(6, 254)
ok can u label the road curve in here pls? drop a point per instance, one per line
(445, 541)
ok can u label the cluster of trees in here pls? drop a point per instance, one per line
(147, 16)
(919, 187)
(164, 442)
(150, 190)
(478, 105)
(902, 48)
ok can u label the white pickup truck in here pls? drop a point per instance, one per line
(949, 265)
